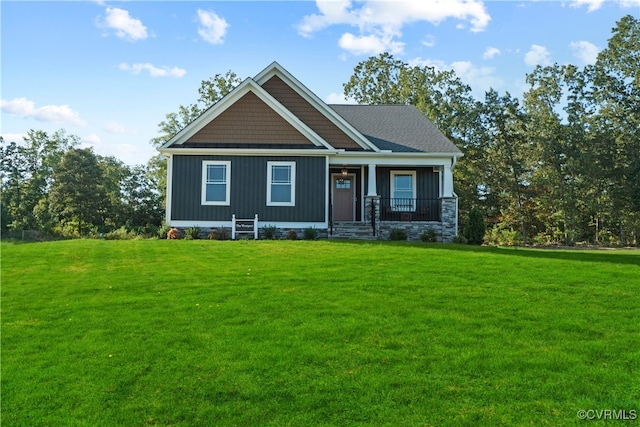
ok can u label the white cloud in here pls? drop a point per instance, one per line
(13, 137)
(586, 52)
(24, 108)
(92, 139)
(163, 71)
(480, 79)
(338, 98)
(491, 52)
(380, 22)
(212, 27)
(537, 55)
(429, 41)
(125, 26)
(592, 5)
(115, 128)
(370, 45)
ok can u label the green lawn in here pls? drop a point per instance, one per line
(155, 332)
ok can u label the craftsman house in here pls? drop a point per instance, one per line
(274, 149)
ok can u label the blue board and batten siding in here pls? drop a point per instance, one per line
(248, 194)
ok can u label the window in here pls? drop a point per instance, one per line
(216, 180)
(281, 183)
(403, 190)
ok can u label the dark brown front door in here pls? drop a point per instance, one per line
(344, 188)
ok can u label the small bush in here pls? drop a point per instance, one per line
(460, 239)
(428, 236)
(120, 234)
(173, 234)
(398, 234)
(163, 231)
(310, 233)
(269, 232)
(219, 234)
(191, 233)
(475, 229)
(292, 235)
(498, 236)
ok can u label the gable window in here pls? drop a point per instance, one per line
(216, 182)
(281, 183)
(403, 190)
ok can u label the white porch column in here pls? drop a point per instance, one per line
(373, 191)
(447, 181)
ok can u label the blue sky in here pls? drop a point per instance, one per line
(110, 71)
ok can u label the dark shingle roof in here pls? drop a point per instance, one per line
(399, 128)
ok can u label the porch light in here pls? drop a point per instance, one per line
(344, 172)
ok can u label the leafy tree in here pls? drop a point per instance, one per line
(26, 174)
(475, 227)
(211, 91)
(78, 193)
(617, 121)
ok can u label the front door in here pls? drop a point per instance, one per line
(344, 190)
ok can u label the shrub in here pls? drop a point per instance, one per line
(428, 236)
(498, 236)
(191, 233)
(269, 232)
(292, 235)
(120, 234)
(310, 233)
(398, 234)
(163, 231)
(460, 239)
(173, 234)
(475, 229)
(219, 234)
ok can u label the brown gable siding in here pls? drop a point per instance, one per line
(308, 114)
(249, 121)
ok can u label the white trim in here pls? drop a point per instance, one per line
(227, 224)
(169, 189)
(392, 190)
(361, 194)
(248, 85)
(275, 69)
(327, 193)
(227, 182)
(248, 151)
(270, 166)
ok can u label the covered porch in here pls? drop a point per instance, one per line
(368, 199)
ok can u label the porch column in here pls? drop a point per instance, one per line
(447, 182)
(373, 191)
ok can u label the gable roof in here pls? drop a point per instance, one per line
(398, 128)
(305, 117)
(247, 86)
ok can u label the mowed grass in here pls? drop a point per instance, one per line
(108, 333)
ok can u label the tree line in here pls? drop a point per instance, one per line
(559, 166)
(54, 188)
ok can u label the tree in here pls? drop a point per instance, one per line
(26, 173)
(211, 91)
(509, 159)
(78, 194)
(617, 121)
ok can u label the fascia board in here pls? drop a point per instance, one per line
(276, 69)
(248, 152)
(248, 85)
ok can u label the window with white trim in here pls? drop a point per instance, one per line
(216, 182)
(281, 183)
(403, 191)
